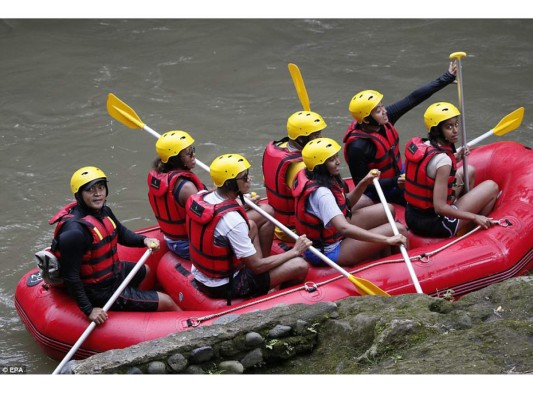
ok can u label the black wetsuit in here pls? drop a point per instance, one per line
(74, 240)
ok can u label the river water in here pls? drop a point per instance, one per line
(225, 82)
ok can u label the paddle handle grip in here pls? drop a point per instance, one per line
(396, 232)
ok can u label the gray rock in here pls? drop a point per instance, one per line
(231, 367)
(201, 355)
(254, 357)
(253, 339)
(177, 362)
(279, 331)
(157, 367)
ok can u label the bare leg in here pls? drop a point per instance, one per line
(460, 179)
(354, 251)
(364, 201)
(479, 200)
(265, 228)
(289, 273)
(371, 216)
(166, 303)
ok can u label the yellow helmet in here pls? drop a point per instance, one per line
(317, 151)
(438, 112)
(304, 123)
(227, 166)
(171, 143)
(86, 175)
(363, 103)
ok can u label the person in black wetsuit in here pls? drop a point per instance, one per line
(372, 142)
(85, 242)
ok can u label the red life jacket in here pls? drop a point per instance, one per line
(388, 158)
(418, 185)
(169, 213)
(214, 257)
(276, 162)
(101, 261)
(309, 224)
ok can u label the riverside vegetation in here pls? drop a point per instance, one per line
(486, 332)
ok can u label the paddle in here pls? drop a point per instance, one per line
(123, 113)
(457, 56)
(507, 124)
(396, 232)
(106, 307)
(300, 86)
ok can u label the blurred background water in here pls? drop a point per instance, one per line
(226, 82)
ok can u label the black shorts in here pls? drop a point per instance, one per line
(131, 298)
(245, 284)
(430, 224)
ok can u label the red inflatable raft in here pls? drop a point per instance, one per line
(446, 268)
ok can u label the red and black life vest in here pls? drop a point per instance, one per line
(213, 256)
(101, 261)
(169, 213)
(418, 185)
(309, 224)
(276, 162)
(388, 158)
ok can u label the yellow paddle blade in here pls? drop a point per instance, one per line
(123, 113)
(300, 86)
(366, 287)
(510, 122)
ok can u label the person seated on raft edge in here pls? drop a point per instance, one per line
(282, 160)
(227, 259)
(171, 182)
(323, 212)
(85, 242)
(372, 141)
(436, 204)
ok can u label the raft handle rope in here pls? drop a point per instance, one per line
(309, 287)
(425, 257)
(312, 286)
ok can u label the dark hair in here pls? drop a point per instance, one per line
(173, 163)
(302, 140)
(436, 136)
(321, 175)
(231, 185)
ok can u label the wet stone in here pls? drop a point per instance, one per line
(228, 349)
(201, 355)
(279, 331)
(157, 367)
(253, 339)
(194, 370)
(301, 326)
(177, 362)
(254, 357)
(231, 367)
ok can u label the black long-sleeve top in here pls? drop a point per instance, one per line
(362, 152)
(74, 240)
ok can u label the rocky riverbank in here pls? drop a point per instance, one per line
(486, 332)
